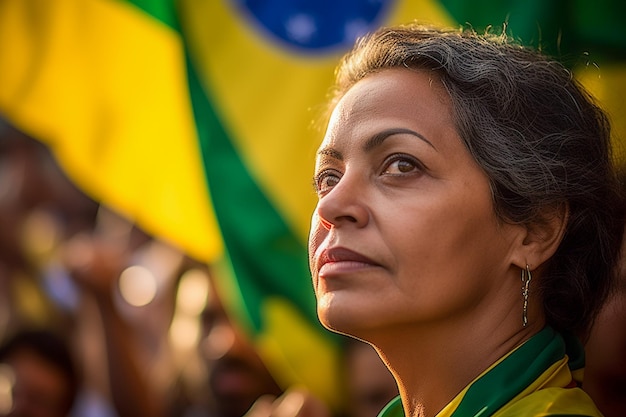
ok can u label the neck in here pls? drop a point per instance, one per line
(433, 364)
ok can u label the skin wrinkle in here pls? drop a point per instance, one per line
(377, 139)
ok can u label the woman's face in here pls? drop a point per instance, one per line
(404, 232)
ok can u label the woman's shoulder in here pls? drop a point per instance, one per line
(552, 402)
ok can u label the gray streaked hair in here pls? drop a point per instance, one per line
(539, 137)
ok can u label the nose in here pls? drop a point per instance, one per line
(344, 205)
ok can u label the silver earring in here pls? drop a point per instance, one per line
(526, 277)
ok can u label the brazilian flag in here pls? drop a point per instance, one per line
(193, 119)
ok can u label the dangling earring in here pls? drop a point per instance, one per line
(526, 277)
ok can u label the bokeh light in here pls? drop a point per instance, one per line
(7, 379)
(192, 291)
(138, 286)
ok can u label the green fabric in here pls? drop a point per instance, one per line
(393, 409)
(161, 10)
(262, 249)
(495, 389)
(572, 30)
(492, 391)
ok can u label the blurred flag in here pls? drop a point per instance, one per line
(193, 119)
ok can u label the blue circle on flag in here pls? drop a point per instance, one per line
(315, 25)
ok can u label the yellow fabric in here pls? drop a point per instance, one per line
(104, 85)
(548, 394)
(607, 83)
(285, 340)
(544, 397)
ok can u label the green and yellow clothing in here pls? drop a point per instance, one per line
(539, 378)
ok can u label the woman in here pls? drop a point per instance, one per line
(452, 165)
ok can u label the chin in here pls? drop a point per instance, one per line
(331, 318)
(352, 313)
(341, 320)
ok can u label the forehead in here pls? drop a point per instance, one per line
(391, 98)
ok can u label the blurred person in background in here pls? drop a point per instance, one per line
(62, 257)
(70, 253)
(43, 217)
(605, 370)
(236, 376)
(127, 346)
(227, 374)
(39, 208)
(38, 375)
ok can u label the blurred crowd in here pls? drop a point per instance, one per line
(100, 319)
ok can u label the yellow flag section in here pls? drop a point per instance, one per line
(607, 83)
(104, 85)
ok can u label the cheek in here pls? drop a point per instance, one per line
(317, 234)
(430, 250)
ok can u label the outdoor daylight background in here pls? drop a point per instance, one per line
(193, 120)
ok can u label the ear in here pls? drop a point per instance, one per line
(543, 237)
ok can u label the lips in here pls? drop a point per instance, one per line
(343, 257)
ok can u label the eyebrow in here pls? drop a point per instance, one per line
(380, 137)
(375, 141)
(331, 153)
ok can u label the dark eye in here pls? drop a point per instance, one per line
(325, 181)
(399, 164)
